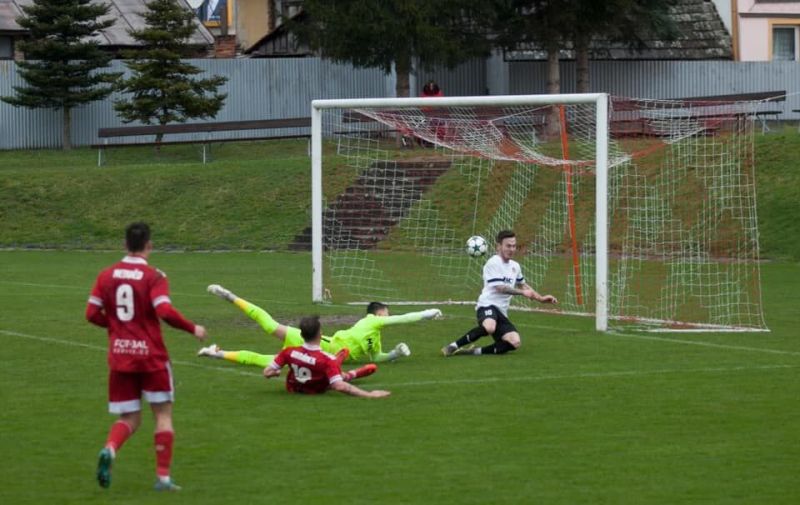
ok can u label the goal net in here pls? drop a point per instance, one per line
(636, 212)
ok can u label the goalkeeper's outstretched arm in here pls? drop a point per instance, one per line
(401, 350)
(411, 317)
(383, 357)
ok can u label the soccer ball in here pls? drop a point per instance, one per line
(477, 246)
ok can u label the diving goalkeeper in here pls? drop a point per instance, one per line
(360, 342)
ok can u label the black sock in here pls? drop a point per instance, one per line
(471, 336)
(499, 347)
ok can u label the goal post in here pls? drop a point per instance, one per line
(601, 214)
(629, 211)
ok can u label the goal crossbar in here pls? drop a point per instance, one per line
(601, 170)
(650, 204)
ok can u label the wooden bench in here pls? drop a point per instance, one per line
(439, 122)
(710, 112)
(767, 109)
(363, 126)
(207, 128)
(358, 119)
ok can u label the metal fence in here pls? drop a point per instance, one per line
(284, 88)
(668, 79)
(257, 89)
(467, 79)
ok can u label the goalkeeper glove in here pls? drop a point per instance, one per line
(432, 314)
(402, 349)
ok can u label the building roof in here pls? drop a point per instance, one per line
(9, 11)
(701, 36)
(126, 12)
(280, 42)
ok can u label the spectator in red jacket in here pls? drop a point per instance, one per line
(431, 89)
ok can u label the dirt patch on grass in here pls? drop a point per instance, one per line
(336, 320)
(329, 320)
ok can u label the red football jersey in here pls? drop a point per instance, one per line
(311, 370)
(129, 292)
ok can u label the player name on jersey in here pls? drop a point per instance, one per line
(123, 273)
(305, 358)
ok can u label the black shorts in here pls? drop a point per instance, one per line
(503, 324)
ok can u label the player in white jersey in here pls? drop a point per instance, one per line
(502, 279)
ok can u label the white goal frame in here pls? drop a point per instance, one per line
(600, 100)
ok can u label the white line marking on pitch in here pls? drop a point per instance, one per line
(86, 289)
(37, 285)
(104, 349)
(588, 375)
(524, 325)
(283, 303)
(483, 380)
(706, 344)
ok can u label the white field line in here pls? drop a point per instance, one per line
(86, 289)
(37, 285)
(524, 325)
(72, 343)
(705, 344)
(281, 302)
(695, 328)
(482, 380)
(588, 375)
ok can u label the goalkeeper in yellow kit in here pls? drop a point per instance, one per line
(360, 342)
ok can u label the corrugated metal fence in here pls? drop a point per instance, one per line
(257, 89)
(468, 79)
(667, 79)
(284, 88)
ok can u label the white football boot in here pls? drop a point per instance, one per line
(216, 289)
(211, 351)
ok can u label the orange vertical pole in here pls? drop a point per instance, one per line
(576, 264)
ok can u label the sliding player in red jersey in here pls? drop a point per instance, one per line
(128, 299)
(314, 371)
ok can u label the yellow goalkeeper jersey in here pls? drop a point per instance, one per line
(363, 339)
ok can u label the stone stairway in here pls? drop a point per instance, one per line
(365, 212)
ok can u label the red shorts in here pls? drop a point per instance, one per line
(125, 389)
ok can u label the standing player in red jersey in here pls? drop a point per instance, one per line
(129, 298)
(314, 371)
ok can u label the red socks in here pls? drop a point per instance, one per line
(120, 431)
(365, 370)
(163, 441)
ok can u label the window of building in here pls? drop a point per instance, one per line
(785, 43)
(6, 48)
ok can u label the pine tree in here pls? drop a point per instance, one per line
(162, 86)
(61, 61)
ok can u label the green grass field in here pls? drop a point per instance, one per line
(256, 195)
(574, 417)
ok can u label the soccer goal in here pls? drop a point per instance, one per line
(634, 212)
